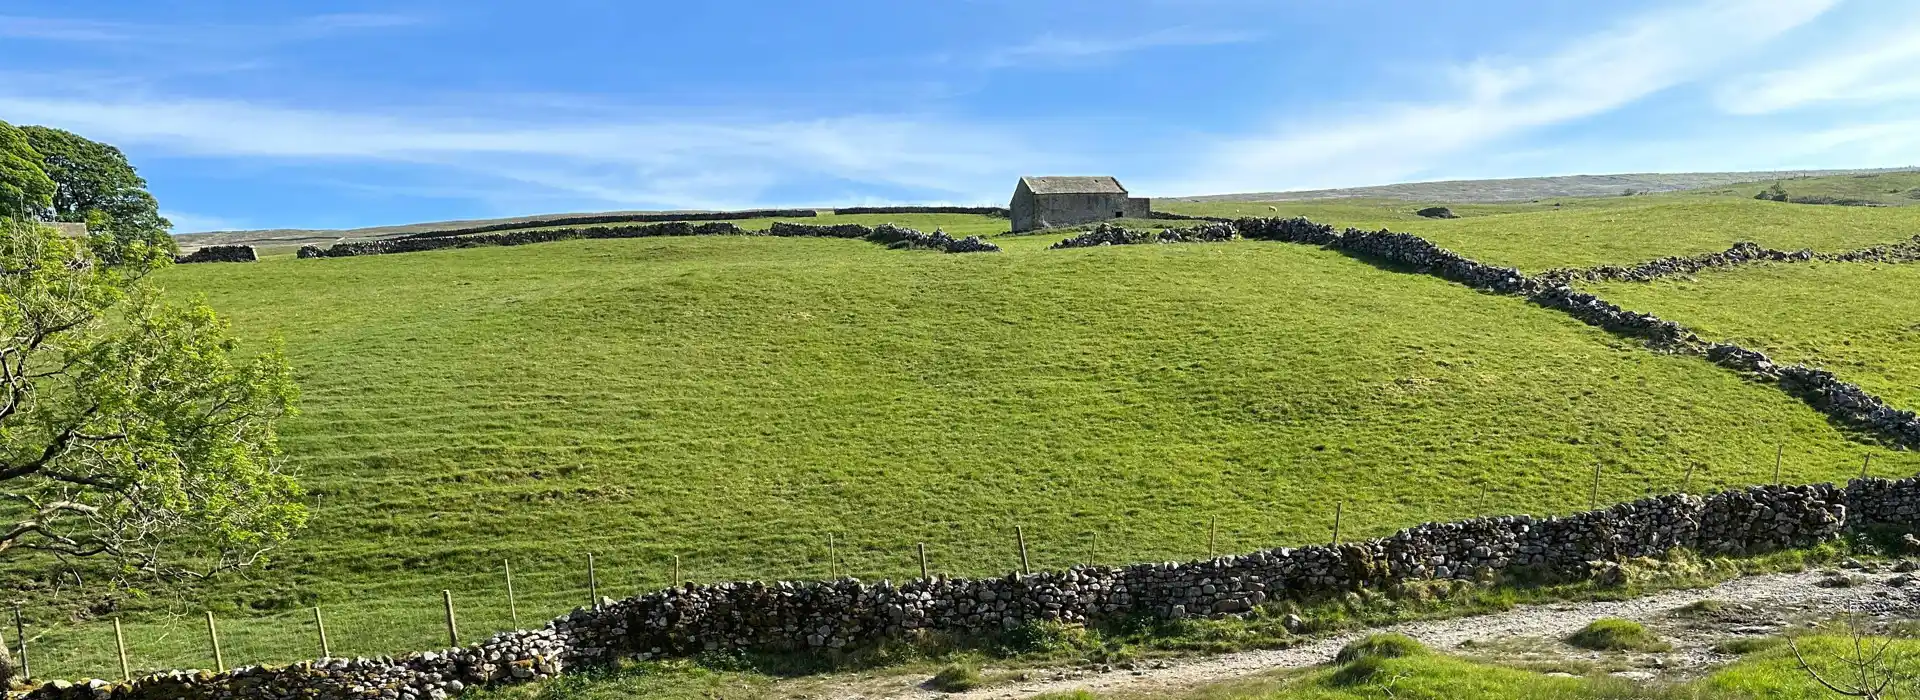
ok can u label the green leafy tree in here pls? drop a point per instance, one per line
(94, 180)
(25, 189)
(130, 429)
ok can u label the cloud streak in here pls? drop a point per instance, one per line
(1053, 49)
(308, 28)
(1501, 98)
(660, 162)
(1880, 66)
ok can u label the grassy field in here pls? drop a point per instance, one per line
(1861, 321)
(1889, 189)
(733, 401)
(1583, 233)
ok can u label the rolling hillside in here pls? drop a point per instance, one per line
(734, 401)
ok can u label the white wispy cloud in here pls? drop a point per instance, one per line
(1500, 98)
(197, 36)
(55, 29)
(1052, 49)
(692, 161)
(1877, 65)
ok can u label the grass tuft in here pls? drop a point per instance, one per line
(1615, 634)
(1384, 646)
(1742, 646)
(957, 678)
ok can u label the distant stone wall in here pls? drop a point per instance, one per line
(1742, 253)
(1170, 216)
(219, 253)
(997, 212)
(885, 234)
(848, 614)
(639, 218)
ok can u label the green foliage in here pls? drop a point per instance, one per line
(1776, 193)
(25, 188)
(96, 184)
(956, 678)
(1041, 637)
(1384, 645)
(128, 428)
(1616, 634)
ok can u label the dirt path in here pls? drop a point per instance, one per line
(1758, 605)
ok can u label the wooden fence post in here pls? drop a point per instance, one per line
(213, 635)
(120, 644)
(513, 606)
(1213, 535)
(676, 571)
(1020, 535)
(326, 650)
(453, 627)
(1338, 508)
(1688, 482)
(1865, 465)
(1093, 547)
(923, 562)
(833, 559)
(20, 631)
(1778, 453)
(1593, 501)
(593, 585)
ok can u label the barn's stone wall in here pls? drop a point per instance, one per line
(1032, 212)
(849, 614)
(219, 253)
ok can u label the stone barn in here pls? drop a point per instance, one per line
(1046, 202)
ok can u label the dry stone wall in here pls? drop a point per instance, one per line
(1743, 253)
(1109, 234)
(1843, 402)
(849, 614)
(884, 234)
(997, 212)
(632, 218)
(219, 253)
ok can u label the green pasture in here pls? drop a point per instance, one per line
(1862, 321)
(734, 401)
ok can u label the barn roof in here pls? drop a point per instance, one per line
(1074, 185)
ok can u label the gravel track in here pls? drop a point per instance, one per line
(1773, 592)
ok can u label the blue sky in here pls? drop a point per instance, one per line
(341, 114)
